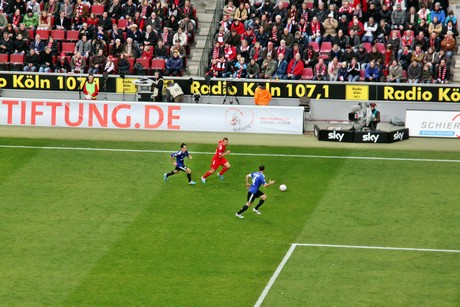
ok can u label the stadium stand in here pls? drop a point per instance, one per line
(291, 15)
(96, 22)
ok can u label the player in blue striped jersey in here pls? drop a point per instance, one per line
(257, 180)
(178, 160)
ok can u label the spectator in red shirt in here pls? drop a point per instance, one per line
(295, 68)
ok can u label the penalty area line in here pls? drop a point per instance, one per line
(233, 154)
(294, 245)
(275, 275)
(382, 248)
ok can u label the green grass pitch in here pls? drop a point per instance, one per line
(101, 228)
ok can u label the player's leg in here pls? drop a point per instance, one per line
(189, 175)
(173, 172)
(225, 168)
(263, 197)
(250, 199)
(214, 166)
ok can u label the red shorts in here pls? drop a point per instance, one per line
(216, 162)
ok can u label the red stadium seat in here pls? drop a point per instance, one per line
(72, 35)
(4, 57)
(326, 48)
(158, 64)
(398, 33)
(58, 35)
(367, 46)
(380, 47)
(122, 24)
(131, 64)
(362, 75)
(16, 62)
(307, 73)
(31, 34)
(44, 34)
(412, 34)
(97, 9)
(315, 46)
(68, 47)
(145, 63)
(17, 59)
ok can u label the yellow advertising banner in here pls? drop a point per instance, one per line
(357, 92)
(127, 85)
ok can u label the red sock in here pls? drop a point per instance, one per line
(223, 171)
(208, 173)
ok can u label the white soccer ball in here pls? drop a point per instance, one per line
(283, 187)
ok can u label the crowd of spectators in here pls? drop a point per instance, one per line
(112, 36)
(389, 40)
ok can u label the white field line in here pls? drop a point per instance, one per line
(275, 275)
(383, 247)
(233, 154)
(294, 245)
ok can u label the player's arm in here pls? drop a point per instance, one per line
(224, 154)
(248, 177)
(173, 160)
(267, 184)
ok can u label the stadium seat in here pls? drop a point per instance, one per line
(362, 75)
(115, 62)
(122, 23)
(315, 46)
(398, 33)
(404, 77)
(44, 34)
(380, 47)
(326, 48)
(152, 50)
(16, 62)
(31, 34)
(307, 73)
(131, 64)
(145, 63)
(58, 35)
(68, 47)
(4, 57)
(412, 34)
(367, 46)
(72, 35)
(158, 64)
(97, 9)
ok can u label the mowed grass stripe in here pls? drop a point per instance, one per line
(364, 277)
(236, 154)
(59, 214)
(376, 203)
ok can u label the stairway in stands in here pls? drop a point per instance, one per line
(205, 12)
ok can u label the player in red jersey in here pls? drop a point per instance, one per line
(218, 160)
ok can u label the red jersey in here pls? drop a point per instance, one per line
(220, 150)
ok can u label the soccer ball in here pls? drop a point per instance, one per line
(283, 187)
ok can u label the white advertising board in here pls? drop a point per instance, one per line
(150, 116)
(440, 124)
